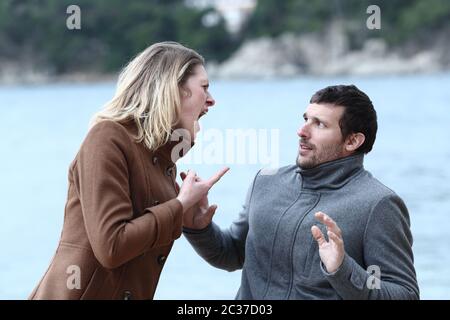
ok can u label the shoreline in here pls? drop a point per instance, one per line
(288, 56)
(71, 79)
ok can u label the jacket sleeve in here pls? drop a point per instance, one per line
(388, 256)
(223, 249)
(102, 182)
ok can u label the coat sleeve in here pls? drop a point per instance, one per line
(102, 183)
(223, 249)
(387, 254)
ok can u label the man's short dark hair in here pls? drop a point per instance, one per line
(359, 114)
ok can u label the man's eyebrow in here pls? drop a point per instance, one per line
(315, 118)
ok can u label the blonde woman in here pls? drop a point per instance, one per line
(124, 208)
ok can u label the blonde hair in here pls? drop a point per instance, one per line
(148, 91)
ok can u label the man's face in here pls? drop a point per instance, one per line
(320, 136)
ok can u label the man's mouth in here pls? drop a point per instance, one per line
(304, 146)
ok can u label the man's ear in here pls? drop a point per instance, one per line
(354, 141)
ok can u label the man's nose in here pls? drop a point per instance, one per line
(303, 132)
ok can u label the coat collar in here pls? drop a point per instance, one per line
(169, 153)
(333, 174)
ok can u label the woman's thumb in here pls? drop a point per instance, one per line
(211, 211)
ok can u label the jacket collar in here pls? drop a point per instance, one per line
(170, 152)
(333, 174)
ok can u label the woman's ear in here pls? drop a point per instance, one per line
(185, 93)
(354, 141)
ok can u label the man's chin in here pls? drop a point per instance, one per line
(304, 163)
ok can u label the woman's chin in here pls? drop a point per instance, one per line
(196, 129)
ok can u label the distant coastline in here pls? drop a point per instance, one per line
(318, 54)
(329, 53)
(14, 74)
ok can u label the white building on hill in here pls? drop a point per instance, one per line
(234, 11)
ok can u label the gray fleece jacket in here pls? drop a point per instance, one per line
(271, 239)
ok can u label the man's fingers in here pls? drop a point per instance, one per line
(318, 235)
(216, 177)
(330, 223)
(335, 238)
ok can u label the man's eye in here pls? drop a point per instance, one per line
(321, 125)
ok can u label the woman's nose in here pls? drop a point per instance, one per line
(210, 101)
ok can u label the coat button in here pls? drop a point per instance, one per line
(155, 160)
(156, 202)
(169, 171)
(162, 259)
(127, 295)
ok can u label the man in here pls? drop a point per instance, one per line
(323, 229)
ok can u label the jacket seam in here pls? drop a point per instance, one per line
(248, 217)
(273, 244)
(372, 213)
(73, 245)
(291, 276)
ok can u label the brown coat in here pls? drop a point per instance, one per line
(121, 219)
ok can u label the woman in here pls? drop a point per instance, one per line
(124, 208)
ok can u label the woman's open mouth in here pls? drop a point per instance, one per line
(202, 114)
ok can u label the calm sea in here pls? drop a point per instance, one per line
(43, 126)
